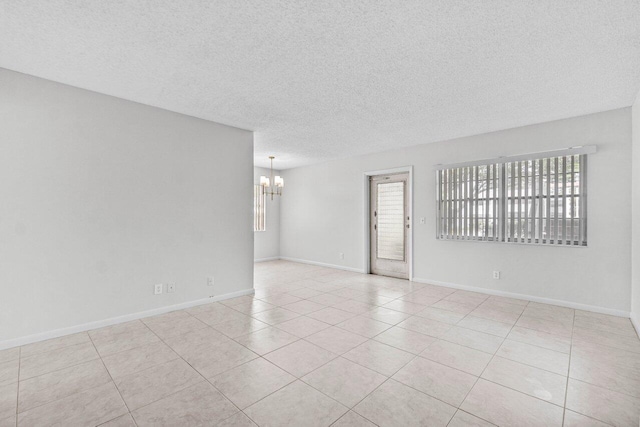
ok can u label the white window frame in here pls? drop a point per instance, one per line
(455, 194)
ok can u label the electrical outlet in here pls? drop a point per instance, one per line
(210, 281)
(171, 287)
(496, 274)
(423, 220)
(341, 255)
(157, 289)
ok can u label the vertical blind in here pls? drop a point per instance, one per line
(545, 201)
(468, 202)
(539, 200)
(259, 214)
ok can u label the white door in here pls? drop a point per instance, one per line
(389, 221)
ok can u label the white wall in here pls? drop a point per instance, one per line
(317, 225)
(635, 262)
(267, 243)
(102, 198)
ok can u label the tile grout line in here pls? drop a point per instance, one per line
(319, 367)
(18, 385)
(264, 397)
(437, 338)
(485, 368)
(566, 389)
(178, 357)
(415, 356)
(204, 378)
(61, 398)
(357, 414)
(304, 382)
(460, 370)
(566, 394)
(375, 305)
(113, 381)
(478, 377)
(120, 351)
(468, 314)
(59, 369)
(489, 298)
(381, 384)
(388, 377)
(392, 325)
(259, 357)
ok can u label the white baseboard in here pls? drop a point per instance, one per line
(575, 305)
(322, 264)
(635, 320)
(273, 258)
(42, 336)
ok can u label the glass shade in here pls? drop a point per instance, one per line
(278, 181)
(264, 181)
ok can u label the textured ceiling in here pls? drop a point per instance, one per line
(319, 80)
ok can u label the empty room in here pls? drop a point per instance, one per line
(320, 213)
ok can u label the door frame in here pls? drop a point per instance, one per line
(367, 213)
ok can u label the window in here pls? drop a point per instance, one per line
(259, 211)
(468, 202)
(538, 199)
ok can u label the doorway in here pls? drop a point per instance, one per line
(389, 224)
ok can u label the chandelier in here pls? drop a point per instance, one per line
(266, 183)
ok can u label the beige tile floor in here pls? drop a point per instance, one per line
(319, 347)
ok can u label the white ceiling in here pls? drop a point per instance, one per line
(319, 80)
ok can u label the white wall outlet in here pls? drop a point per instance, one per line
(210, 281)
(157, 289)
(171, 287)
(423, 220)
(496, 274)
(341, 255)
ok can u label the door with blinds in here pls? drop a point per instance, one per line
(389, 219)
